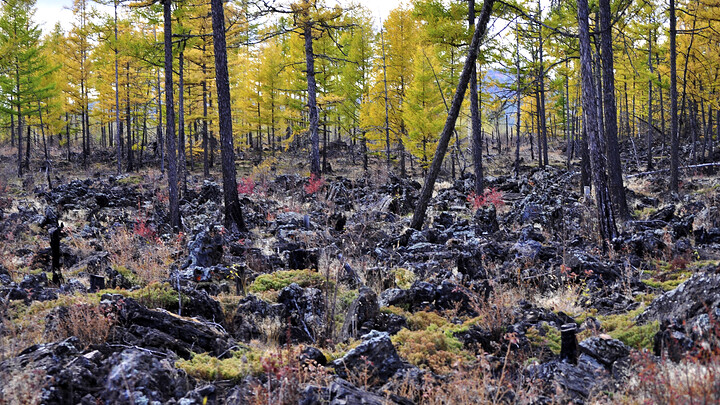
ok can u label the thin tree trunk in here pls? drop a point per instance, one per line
(519, 97)
(233, 210)
(421, 208)
(616, 188)
(650, 108)
(182, 172)
(674, 159)
(387, 116)
(312, 94)
(117, 97)
(606, 218)
(159, 130)
(170, 120)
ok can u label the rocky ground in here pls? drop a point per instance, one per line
(331, 298)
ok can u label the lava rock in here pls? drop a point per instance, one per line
(607, 351)
(689, 301)
(250, 312)
(376, 356)
(139, 377)
(162, 330)
(344, 393)
(304, 308)
(361, 314)
(312, 355)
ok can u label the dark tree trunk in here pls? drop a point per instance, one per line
(650, 109)
(117, 99)
(421, 208)
(475, 114)
(606, 218)
(128, 127)
(519, 96)
(674, 142)
(170, 120)
(617, 190)
(181, 122)
(312, 95)
(233, 210)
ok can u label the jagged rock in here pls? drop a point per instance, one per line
(305, 310)
(689, 301)
(199, 303)
(390, 323)
(314, 355)
(449, 296)
(375, 356)
(569, 383)
(707, 236)
(162, 330)
(344, 393)
(361, 314)
(485, 220)
(665, 214)
(605, 350)
(250, 312)
(205, 249)
(137, 376)
(299, 259)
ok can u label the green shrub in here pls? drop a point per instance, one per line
(431, 349)
(281, 279)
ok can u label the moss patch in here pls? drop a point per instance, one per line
(281, 279)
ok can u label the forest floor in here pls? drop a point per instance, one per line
(330, 297)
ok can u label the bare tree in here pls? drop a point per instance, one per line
(233, 210)
(420, 210)
(606, 218)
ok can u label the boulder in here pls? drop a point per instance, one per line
(361, 314)
(375, 356)
(604, 349)
(136, 376)
(304, 309)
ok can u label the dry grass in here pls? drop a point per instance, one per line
(148, 259)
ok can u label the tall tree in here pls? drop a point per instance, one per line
(170, 118)
(233, 210)
(475, 114)
(420, 210)
(617, 190)
(606, 219)
(674, 146)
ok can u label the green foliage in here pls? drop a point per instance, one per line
(431, 349)
(624, 328)
(154, 295)
(403, 277)
(422, 320)
(243, 362)
(546, 337)
(281, 279)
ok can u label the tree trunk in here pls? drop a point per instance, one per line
(312, 93)
(128, 127)
(170, 119)
(650, 109)
(674, 159)
(233, 210)
(606, 219)
(421, 208)
(475, 114)
(159, 131)
(117, 98)
(181, 121)
(519, 96)
(617, 190)
(387, 116)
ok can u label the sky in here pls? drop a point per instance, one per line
(50, 12)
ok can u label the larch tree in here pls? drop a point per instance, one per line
(606, 218)
(233, 210)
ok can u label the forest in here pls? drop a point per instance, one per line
(311, 202)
